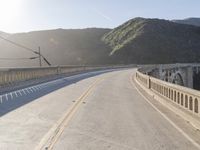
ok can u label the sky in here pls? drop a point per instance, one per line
(30, 15)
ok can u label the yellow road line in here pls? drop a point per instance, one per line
(55, 132)
(132, 77)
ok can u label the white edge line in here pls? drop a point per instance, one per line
(167, 118)
(33, 88)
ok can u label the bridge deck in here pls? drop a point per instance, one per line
(101, 112)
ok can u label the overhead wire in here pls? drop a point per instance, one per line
(19, 45)
(20, 58)
(26, 48)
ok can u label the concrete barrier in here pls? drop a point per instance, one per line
(11, 75)
(186, 98)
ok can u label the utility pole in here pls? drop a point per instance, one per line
(40, 59)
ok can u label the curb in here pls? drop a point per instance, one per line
(174, 108)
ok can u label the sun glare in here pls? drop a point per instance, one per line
(9, 12)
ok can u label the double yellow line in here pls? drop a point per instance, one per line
(50, 139)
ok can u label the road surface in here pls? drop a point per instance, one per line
(99, 111)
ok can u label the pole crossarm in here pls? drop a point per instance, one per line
(28, 49)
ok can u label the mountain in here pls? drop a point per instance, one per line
(3, 35)
(60, 47)
(189, 21)
(143, 40)
(138, 40)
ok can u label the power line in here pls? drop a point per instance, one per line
(28, 49)
(19, 45)
(22, 58)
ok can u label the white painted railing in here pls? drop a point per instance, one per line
(187, 98)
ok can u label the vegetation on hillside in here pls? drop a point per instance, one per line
(138, 40)
(154, 41)
(189, 21)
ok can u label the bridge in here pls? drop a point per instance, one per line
(99, 107)
(187, 75)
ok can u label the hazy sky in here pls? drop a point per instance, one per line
(28, 15)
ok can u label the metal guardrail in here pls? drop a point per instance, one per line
(188, 99)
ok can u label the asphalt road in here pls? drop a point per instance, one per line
(95, 111)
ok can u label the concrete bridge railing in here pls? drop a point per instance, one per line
(184, 97)
(11, 75)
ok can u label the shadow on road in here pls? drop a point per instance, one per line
(16, 99)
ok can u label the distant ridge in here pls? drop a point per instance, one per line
(189, 21)
(3, 34)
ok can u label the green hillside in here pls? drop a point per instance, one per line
(139, 40)
(154, 41)
(189, 21)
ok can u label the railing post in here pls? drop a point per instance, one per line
(149, 82)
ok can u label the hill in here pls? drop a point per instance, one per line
(60, 46)
(138, 40)
(154, 41)
(4, 34)
(189, 21)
